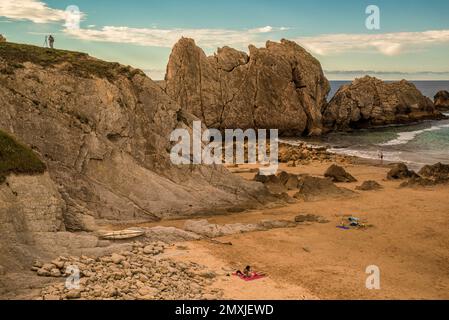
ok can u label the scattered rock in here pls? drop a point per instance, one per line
(400, 171)
(369, 186)
(117, 259)
(55, 273)
(338, 174)
(43, 273)
(137, 277)
(73, 295)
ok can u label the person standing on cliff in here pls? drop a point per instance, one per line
(51, 41)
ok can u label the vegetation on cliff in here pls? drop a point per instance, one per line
(17, 158)
(80, 64)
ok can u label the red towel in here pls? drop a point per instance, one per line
(254, 276)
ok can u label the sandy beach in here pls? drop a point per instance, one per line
(407, 239)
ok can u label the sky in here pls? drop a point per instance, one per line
(412, 40)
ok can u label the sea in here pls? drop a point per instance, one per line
(415, 144)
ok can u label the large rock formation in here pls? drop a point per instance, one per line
(103, 131)
(442, 100)
(371, 102)
(2, 38)
(278, 87)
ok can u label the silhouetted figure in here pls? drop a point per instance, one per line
(51, 41)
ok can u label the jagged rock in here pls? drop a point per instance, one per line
(338, 174)
(280, 87)
(369, 186)
(371, 102)
(438, 172)
(400, 171)
(290, 181)
(441, 100)
(314, 189)
(2, 38)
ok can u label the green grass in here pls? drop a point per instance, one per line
(17, 158)
(81, 63)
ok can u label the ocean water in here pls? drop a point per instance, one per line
(415, 144)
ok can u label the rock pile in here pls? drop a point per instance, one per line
(428, 175)
(134, 275)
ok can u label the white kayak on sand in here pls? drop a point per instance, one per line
(122, 235)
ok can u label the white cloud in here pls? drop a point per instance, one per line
(32, 10)
(156, 37)
(389, 44)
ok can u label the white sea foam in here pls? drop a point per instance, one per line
(405, 137)
(394, 156)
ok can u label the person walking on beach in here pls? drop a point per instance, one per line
(381, 156)
(51, 41)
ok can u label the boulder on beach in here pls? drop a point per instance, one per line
(369, 102)
(339, 174)
(400, 171)
(315, 189)
(369, 186)
(438, 172)
(280, 86)
(290, 181)
(441, 100)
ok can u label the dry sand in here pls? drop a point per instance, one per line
(408, 241)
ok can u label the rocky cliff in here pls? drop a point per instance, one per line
(371, 102)
(103, 131)
(280, 87)
(442, 100)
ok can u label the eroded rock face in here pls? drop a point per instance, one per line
(442, 100)
(369, 102)
(280, 87)
(104, 132)
(29, 205)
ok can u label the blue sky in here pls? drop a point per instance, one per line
(412, 43)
